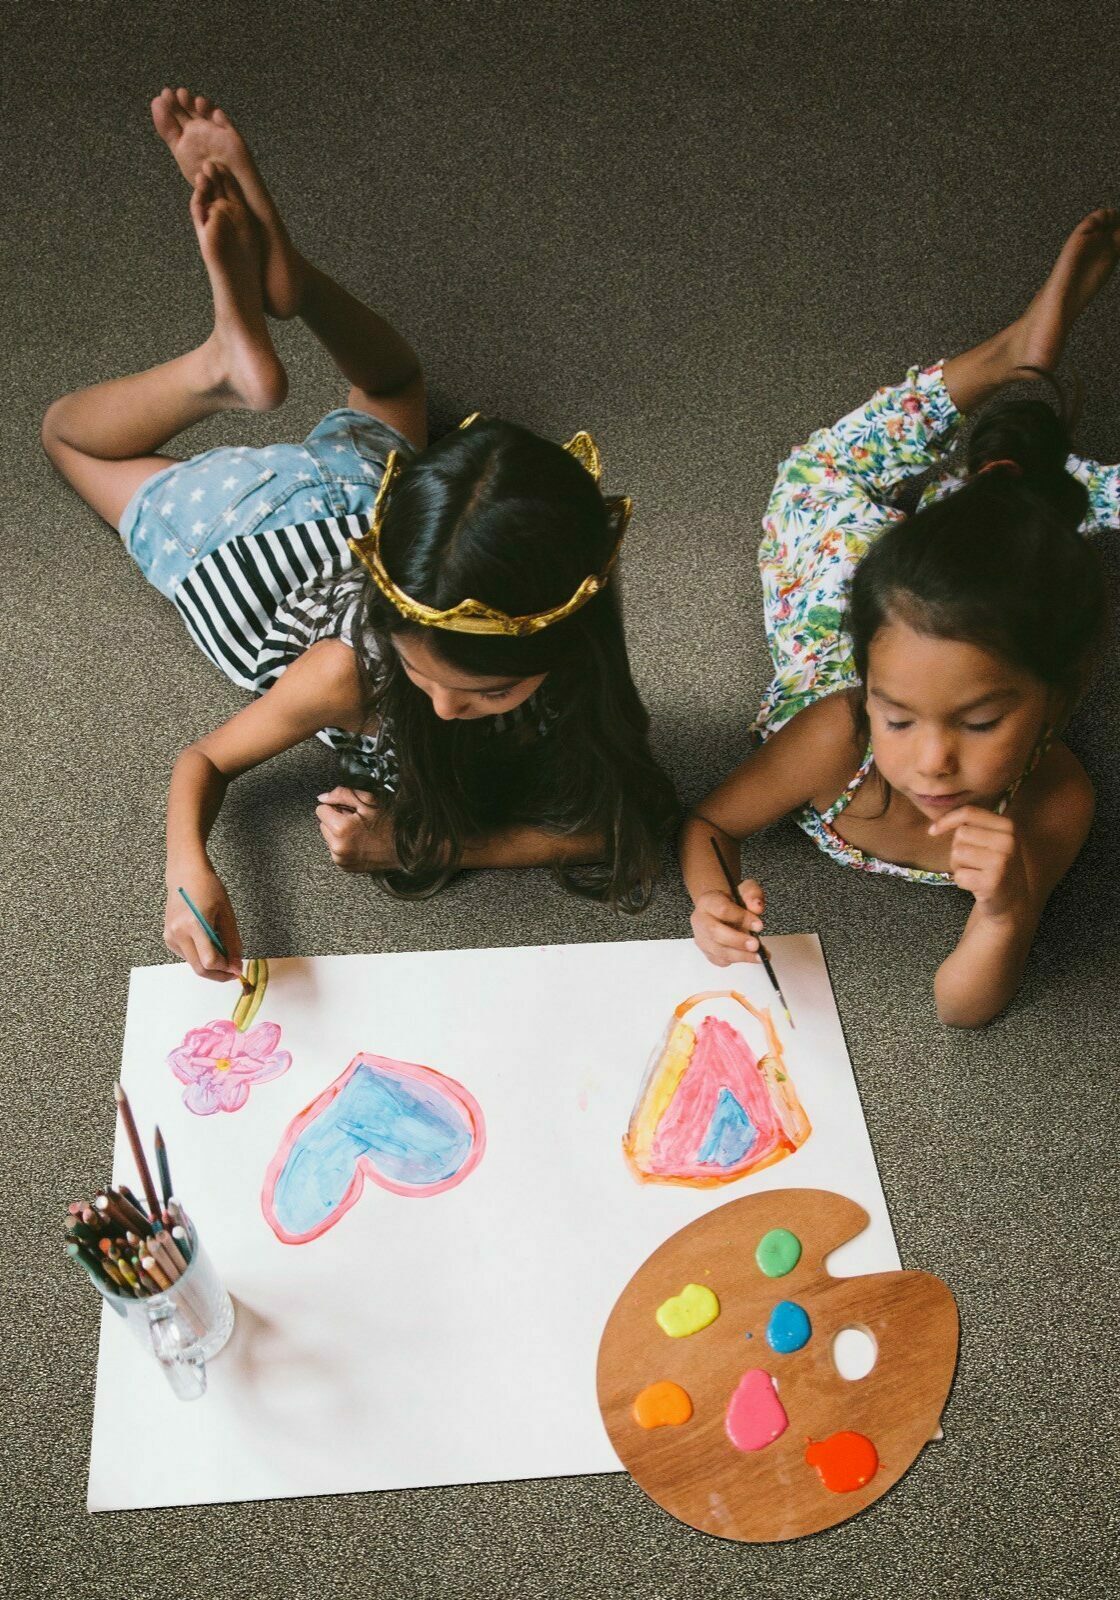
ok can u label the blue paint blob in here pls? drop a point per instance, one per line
(789, 1327)
(414, 1134)
(731, 1134)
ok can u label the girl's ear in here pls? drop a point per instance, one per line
(1060, 705)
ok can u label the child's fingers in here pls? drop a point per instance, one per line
(206, 960)
(732, 938)
(217, 179)
(332, 817)
(726, 938)
(999, 841)
(226, 924)
(340, 797)
(965, 857)
(975, 815)
(754, 895)
(330, 827)
(972, 879)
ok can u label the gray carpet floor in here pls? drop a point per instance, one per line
(699, 230)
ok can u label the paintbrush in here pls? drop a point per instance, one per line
(764, 954)
(211, 933)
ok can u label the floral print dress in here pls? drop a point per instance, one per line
(834, 495)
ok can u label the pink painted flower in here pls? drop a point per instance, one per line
(219, 1065)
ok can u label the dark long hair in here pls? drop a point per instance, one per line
(998, 563)
(494, 513)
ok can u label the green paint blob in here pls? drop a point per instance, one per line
(778, 1252)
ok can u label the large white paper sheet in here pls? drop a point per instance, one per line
(447, 1339)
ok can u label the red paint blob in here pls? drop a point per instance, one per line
(845, 1461)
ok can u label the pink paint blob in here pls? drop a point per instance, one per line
(755, 1417)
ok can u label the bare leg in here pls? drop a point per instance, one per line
(104, 439)
(195, 131)
(378, 363)
(1037, 338)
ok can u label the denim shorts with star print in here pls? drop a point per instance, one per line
(190, 509)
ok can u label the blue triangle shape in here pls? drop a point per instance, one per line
(731, 1133)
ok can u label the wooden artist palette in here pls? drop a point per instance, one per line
(763, 1488)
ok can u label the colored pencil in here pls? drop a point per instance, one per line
(82, 1233)
(122, 1188)
(135, 1213)
(93, 1219)
(118, 1282)
(211, 933)
(164, 1169)
(137, 1149)
(155, 1271)
(164, 1246)
(123, 1216)
(92, 1267)
(126, 1269)
(764, 954)
(123, 1250)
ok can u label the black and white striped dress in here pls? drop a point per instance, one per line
(260, 600)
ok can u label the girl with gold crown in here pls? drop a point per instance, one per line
(925, 665)
(444, 616)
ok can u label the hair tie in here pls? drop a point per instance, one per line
(1004, 461)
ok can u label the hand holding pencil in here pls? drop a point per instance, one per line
(199, 925)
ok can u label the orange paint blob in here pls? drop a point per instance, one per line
(845, 1461)
(662, 1404)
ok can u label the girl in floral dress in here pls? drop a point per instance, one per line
(925, 665)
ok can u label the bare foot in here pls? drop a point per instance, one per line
(195, 130)
(241, 361)
(1084, 266)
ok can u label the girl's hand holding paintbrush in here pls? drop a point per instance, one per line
(198, 908)
(748, 900)
(727, 932)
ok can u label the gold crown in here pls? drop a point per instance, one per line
(474, 616)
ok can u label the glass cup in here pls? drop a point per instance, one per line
(184, 1326)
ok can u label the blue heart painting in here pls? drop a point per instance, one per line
(407, 1128)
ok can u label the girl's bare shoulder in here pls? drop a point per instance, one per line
(827, 741)
(1053, 812)
(332, 676)
(1057, 797)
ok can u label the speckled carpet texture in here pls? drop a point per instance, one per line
(698, 230)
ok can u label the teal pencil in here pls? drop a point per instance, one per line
(211, 933)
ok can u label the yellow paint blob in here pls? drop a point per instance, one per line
(694, 1308)
(662, 1405)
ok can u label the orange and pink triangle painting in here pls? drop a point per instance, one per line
(711, 1111)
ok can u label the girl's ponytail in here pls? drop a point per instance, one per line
(1035, 437)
